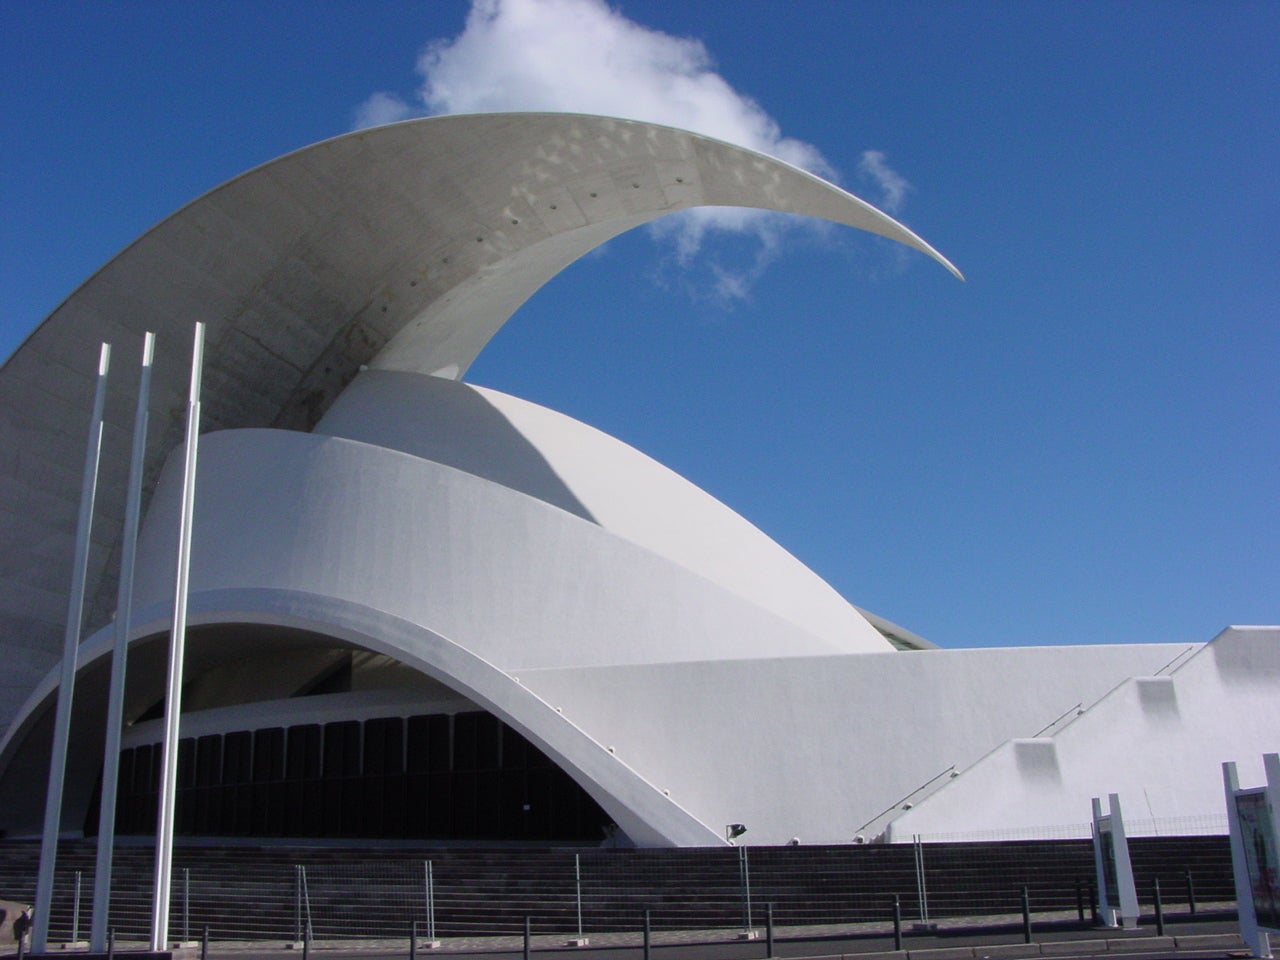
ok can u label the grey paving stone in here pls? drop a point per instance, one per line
(1137, 944)
(1060, 948)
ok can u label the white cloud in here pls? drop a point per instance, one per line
(383, 107)
(892, 185)
(583, 56)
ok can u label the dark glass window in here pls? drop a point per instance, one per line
(237, 757)
(268, 755)
(465, 734)
(208, 761)
(302, 752)
(342, 750)
(432, 777)
(383, 746)
(514, 749)
(186, 762)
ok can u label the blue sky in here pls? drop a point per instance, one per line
(1081, 443)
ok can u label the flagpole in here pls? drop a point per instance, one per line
(70, 648)
(177, 649)
(119, 656)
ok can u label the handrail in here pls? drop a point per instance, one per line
(904, 798)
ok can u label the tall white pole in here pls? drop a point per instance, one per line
(177, 648)
(119, 655)
(67, 680)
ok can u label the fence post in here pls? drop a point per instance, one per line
(1159, 909)
(648, 936)
(768, 917)
(921, 890)
(429, 870)
(75, 913)
(744, 873)
(1026, 915)
(577, 878)
(1191, 894)
(297, 903)
(1093, 903)
(305, 898)
(897, 922)
(1080, 901)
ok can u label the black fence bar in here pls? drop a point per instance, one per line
(1159, 908)
(1026, 915)
(897, 922)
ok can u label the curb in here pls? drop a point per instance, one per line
(1051, 948)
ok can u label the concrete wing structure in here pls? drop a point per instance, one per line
(422, 609)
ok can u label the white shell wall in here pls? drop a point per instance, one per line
(520, 583)
(571, 465)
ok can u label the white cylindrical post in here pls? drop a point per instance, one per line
(177, 648)
(115, 700)
(67, 679)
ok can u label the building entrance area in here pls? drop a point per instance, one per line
(459, 776)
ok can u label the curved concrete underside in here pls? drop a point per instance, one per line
(403, 247)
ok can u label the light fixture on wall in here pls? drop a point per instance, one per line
(733, 830)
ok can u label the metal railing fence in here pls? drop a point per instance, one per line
(284, 893)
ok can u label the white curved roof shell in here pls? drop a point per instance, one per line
(401, 248)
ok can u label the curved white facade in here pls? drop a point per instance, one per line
(376, 540)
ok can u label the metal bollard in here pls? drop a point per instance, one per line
(306, 942)
(1159, 909)
(22, 946)
(111, 943)
(648, 937)
(897, 922)
(204, 943)
(1026, 916)
(1080, 901)
(413, 940)
(768, 920)
(528, 937)
(1191, 895)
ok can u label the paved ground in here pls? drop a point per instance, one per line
(1060, 936)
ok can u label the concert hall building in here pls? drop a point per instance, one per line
(421, 609)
